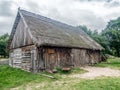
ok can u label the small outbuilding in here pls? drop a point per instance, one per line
(39, 43)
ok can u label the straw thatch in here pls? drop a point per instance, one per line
(48, 32)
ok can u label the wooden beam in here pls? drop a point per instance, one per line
(27, 28)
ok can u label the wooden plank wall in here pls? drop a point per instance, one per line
(95, 56)
(31, 58)
(82, 57)
(55, 57)
(50, 58)
(21, 36)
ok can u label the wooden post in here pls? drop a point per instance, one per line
(34, 59)
(11, 59)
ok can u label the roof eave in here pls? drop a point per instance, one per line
(67, 46)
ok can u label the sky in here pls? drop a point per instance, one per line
(93, 13)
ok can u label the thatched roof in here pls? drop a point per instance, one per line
(48, 32)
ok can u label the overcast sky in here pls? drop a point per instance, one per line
(93, 13)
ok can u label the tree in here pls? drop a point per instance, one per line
(98, 37)
(85, 29)
(3, 45)
(112, 33)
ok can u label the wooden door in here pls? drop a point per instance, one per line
(57, 57)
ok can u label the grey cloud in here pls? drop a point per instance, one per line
(88, 18)
(113, 15)
(112, 4)
(94, 0)
(6, 25)
(5, 28)
(6, 16)
(5, 8)
(67, 11)
(54, 13)
(78, 17)
(32, 5)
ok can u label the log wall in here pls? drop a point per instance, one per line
(24, 58)
(16, 58)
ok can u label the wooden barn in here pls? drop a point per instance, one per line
(39, 43)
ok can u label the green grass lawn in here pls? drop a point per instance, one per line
(112, 63)
(105, 83)
(12, 77)
(16, 78)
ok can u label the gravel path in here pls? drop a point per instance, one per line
(94, 72)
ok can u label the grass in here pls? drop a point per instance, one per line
(16, 78)
(112, 63)
(12, 77)
(105, 83)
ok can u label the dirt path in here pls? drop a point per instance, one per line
(94, 72)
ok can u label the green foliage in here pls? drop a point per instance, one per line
(112, 33)
(3, 45)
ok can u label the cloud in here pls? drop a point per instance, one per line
(94, 0)
(113, 3)
(5, 8)
(72, 12)
(32, 5)
(93, 13)
(5, 25)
